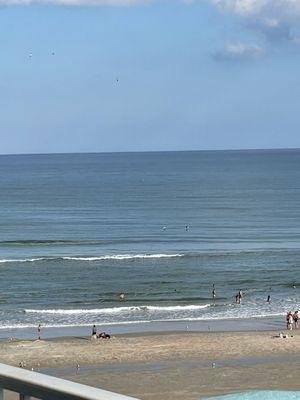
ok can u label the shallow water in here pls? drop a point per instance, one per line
(83, 369)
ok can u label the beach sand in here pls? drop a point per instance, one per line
(167, 366)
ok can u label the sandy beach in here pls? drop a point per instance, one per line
(167, 365)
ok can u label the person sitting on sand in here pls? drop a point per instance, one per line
(103, 335)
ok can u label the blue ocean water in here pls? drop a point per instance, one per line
(78, 229)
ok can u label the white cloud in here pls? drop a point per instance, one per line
(267, 8)
(72, 2)
(269, 14)
(276, 21)
(239, 52)
(240, 7)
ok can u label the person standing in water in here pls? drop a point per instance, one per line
(240, 296)
(39, 329)
(269, 299)
(296, 319)
(213, 293)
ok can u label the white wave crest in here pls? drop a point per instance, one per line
(178, 308)
(122, 257)
(91, 258)
(115, 310)
(21, 260)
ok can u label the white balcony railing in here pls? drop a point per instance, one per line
(32, 384)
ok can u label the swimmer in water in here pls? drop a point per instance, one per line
(122, 296)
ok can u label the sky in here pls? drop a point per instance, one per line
(132, 75)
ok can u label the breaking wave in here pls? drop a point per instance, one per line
(115, 310)
(91, 258)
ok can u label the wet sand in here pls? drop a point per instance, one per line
(165, 366)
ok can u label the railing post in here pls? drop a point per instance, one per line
(1, 394)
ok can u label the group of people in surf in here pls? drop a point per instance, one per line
(238, 298)
(292, 320)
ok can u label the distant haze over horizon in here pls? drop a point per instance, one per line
(117, 75)
(155, 151)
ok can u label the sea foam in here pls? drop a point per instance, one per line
(115, 310)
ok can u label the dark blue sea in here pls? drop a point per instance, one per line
(78, 229)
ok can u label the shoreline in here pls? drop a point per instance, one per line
(222, 325)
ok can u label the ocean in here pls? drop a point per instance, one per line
(78, 229)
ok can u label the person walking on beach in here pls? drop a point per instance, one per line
(39, 330)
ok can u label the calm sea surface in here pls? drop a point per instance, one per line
(75, 230)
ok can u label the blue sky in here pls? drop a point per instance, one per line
(163, 75)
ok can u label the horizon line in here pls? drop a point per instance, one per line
(152, 151)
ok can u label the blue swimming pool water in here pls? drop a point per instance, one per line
(260, 395)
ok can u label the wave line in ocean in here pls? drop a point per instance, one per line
(91, 258)
(115, 310)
